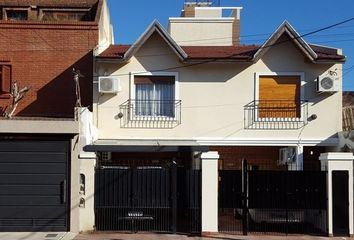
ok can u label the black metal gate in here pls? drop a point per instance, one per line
(147, 199)
(273, 201)
(188, 200)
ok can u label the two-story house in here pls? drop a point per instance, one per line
(42, 42)
(178, 105)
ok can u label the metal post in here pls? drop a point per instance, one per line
(244, 197)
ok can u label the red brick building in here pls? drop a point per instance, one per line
(42, 41)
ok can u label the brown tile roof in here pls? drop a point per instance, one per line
(49, 3)
(115, 51)
(241, 53)
(326, 53)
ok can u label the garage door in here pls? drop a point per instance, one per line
(34, 185)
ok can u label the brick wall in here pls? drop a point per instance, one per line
(236, 32)
(42, 57)
(262, 158)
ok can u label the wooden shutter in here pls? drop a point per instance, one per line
(154, 79)
(279, 96)
(5, 79)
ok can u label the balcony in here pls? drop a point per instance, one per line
(275, 114)
(159, 114)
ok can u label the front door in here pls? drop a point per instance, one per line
(340, 203)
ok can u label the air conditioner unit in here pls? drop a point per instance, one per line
(109, 85)
(287, 155)
(327, 83)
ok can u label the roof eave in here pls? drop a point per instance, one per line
(155, 26)
(330, 61)
(220, 60)
(111, 60)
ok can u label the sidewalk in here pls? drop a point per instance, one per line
(151, 236)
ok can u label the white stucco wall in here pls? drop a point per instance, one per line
(213, 96)
(334, 161)
(210, 181)
(105, 33)
(201, 31)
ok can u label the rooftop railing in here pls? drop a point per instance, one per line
(214, 3)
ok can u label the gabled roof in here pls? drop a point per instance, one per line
(155, 27)
(239, 53)
(194, 53)
(286, 28)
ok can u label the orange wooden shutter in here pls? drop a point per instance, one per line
(279, 96)
(5, 78)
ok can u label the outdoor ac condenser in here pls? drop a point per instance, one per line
(109, 85)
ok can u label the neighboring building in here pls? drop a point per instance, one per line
(42, 41)
(196, 98)
(348, 111)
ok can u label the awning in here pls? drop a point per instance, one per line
(128, 145)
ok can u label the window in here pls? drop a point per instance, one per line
(5, 79)
(16, 15)
(279, 96)
(65, 16)
(154, 96)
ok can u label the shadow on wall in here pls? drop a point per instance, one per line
(58, 97)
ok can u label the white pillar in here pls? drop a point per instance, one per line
(210, 182)
(299, 157)
(87, 212)
(334, 161)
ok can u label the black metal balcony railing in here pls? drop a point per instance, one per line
(214, 3)
(275, 114)
(150, 113)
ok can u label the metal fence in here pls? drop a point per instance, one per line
(272, 201)
(133, 200)
(276, 114)
(147, 199)
(215, 3)
(348, 118)
(150, 114)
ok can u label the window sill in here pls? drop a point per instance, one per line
(5, 95)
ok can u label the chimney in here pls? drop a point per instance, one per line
(202, 24)
(236, 26)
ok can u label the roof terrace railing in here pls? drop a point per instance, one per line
(214, 3)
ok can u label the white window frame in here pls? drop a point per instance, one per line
(133, 90)
(302, 93)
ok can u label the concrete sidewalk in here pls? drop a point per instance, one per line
(36, 236)
(151, 236)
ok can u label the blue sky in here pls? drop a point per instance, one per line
(259, 18)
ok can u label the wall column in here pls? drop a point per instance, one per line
(87, 211)
(335, 161)
(210, 182)
(299, 157)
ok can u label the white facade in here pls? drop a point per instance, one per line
(208, 27)
(213, 97)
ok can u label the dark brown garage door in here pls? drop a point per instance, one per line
(34, 185)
